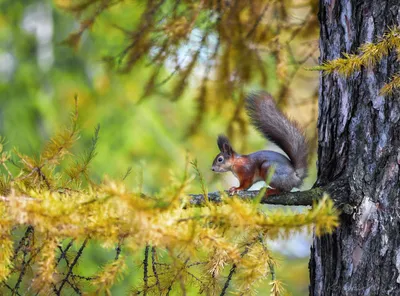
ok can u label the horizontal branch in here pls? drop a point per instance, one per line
(298, 198)
(338, 192)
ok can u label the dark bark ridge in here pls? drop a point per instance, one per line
(359, 140)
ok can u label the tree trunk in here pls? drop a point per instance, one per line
(359, 149)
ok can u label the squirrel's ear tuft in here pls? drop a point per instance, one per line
(224, 145)
(221, 140)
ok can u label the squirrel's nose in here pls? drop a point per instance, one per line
(213, 169)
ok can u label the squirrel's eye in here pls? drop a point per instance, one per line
(220, 159)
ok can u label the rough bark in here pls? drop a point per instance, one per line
(359, 140)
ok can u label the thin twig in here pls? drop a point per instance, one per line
(197, 263)
(64, 252)
(8, 171)
(79, 277)
(28, 231)
(80, 251)
(118, 250)
(10, 288)
(270, 263)
(233, 269)
(231, 272)
(176, 275)
(25, 263)
(145, 267)
(154, 267)
(76, 289)
(257, 22)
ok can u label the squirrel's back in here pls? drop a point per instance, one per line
(277, 128)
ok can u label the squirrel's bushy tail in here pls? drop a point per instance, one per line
(277, 128)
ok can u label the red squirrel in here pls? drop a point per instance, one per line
(276, 127)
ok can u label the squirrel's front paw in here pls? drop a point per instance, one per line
(233, 190)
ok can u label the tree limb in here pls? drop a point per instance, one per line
(298, 198)
(338, 191)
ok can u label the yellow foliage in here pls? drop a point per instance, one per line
(277, 288)
(369, 55)
(106, 278)
(391, 86)
(46, 271)
(60, 206)
(228, 46)
(110, 212)
(6, 246)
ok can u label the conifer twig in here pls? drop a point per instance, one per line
(21, 243)
(76, 289)
(118, 250)
(145, 271)
(10, 288)
(231, 272)
(24, 265)
(64, 252)
(154, 267)
(233, 269)
(80, 251)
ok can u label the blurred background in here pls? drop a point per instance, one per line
(40, 75)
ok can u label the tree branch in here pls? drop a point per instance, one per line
(298, 198)
(338, 191)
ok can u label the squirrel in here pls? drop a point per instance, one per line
(276, 127)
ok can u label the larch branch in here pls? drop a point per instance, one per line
(337, 190)
(298, 198)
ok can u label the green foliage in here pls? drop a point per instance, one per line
(56, 207)
(223, 45)
(370, 54)
(208, 238)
